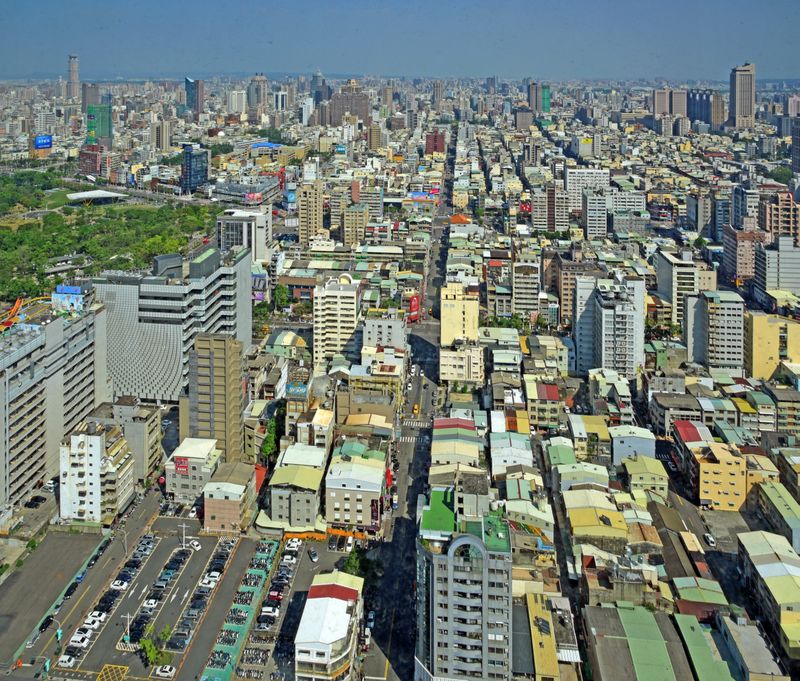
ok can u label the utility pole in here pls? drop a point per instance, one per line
(128, 617)
(125, 540)
(183, 541)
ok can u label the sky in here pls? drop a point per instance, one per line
(678, 40)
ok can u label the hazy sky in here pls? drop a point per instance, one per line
(677, 39)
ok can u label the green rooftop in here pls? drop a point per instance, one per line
(700, 590)
(440, 515)
(646, 644)
(560, 454)
(705, 665)
(783, 502)
(496, 534)
(205, 255)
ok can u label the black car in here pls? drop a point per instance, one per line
(74, 651)
(183, 554)
(71, 589)
(265, 619)
(46, 622)
(216, 566)
(92, 561)
(332, 543)
(32, 504)
(133, 564)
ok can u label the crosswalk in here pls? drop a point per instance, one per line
(407, 438)
(408, 423)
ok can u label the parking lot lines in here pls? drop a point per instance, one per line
(113, 672)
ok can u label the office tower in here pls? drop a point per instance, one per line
(678, 102)
(796, 146)
(463, 591)
(779, 214)
(354, 224)
(195, 95)
(713, 330)
(707, 106)
(525, 282)
(769, 339)
(336, 315)
(215, 403)
(678, 276)
(538, 96)
(438, 95)
(257, 92)
(52, 374)
(99, 125)
(96, 480)
(744, 206)
(160, 135)
(523, 119)
(73, 78)
(252, 229)
(351, 99)
(557, 209)
(280, 100)
(237, 101)
(309, 211)
(491, 85)
(154, 317)
(374, 137)
(578, 179)
(194, 168)
(743, 96)
(90, 94)
(531, 95)
(459, 314)
(777, 267)
(434, 143)
(594, 214)
(660, 101)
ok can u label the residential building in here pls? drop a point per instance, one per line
(463, 363)
(191, 466)
(646, 473)
(717, 476)
(217, 394)
(796, 146)
(777, 267)
(153, 318)
(744, 645)
(336, 317)
(739, 252)
(787, 408)
(229, 499)
(558, 207)
(326, 644)
(73, 79)
(743, 97)
(744, 206)
(53, 374)
(251, 229)
(352, 100)
(713, 330)
(576, 180)
(463, 593)
(594, 214)
(679, 276)
(769, 340)
(354, 488)
(459, 314)
(161, 135)
(385, 328)
(526, 283)
(707, 106)
(779, 215)
(310, 211)
(543, 402)
(354, 224)
(295, 490)
(780, 510)
(97, 479)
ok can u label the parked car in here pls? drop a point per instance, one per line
(288, 560)
(165, 671)
(46, 622)
(313, 555)
(195, 545)
(66, 661)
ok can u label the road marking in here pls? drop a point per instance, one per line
(185, 595)
(389, 645)
(113, 672)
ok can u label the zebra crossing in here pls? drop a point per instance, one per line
(416, 423)
(407, 439)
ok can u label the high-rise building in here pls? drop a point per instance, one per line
(52, 374)
(777, 267)
(678, 102)
(97, 477)
(99, 125)
(257, 91)
(713, 330)
(215, 403)
(434, 142)
(779, 214)
(526, 282)
(73, 78)
(374, 137)
(743, 96)
(744, 206)
(739, 252)
(195, 95)
(463, 592)
(351, 99)
(194, 169)
(161, 135)
(459, 314)
(678, 276)
(438, 95)
(557, 209)
(769, 339)
(354, 223)
(578, 179)
(707, 106)
(538, 96)
(237, 101)
(796, 146)
(237, 229)
(660, 101)
(594, 214)
(336, 315)
(154, 318)
(90, 94)
(309, 211)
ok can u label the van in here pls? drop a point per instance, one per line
(349, 545)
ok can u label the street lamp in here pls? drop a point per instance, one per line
(125, 540)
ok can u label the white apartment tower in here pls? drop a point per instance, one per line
(336, 315)
(578, 179)
(714, 330)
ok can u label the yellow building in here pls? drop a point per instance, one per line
(644, 472)
(459, 315)
(768, 340)
(718, 476)
(354, 223)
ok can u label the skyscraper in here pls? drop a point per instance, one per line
(539, 97)
(194, 169)
(257, 90)
(237, 101)
(713, 330)
(160, 135)
(195, 95)
(90, 94)
(707, 106)
(743, 96)
(309, 211)
(99, 126)
(438, 94)
(73, 79)
(350, 99)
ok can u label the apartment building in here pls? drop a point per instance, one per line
(787, 408)
(310, 202)
(229, 499)
(739, 252)
(525, 283)
(238, 229)
(769, 340)
(459, 314)
(154, 318)
(576, 180)
(679, 276)
(777, 267)
(96, 474)
(336, 317)
(779, 215)
(558, 208)
(354, 487)
(463, 363)
(354, 223)
(385, 328)
(594, 214)
(191, 466)
(52, 374)
(713, 330)
(717, 476)
(463, 593)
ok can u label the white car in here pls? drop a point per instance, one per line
(79, 641)
(349, 545)
(165, 671)
(710, 539)
(270, 611)
(208, 583)
(151, 603)
(196, 545)
(66, 661)
(288, 560)
(97, 615)
(92, 624)
(294, 543)
(193, 512)
(119, 585)
(214, 576)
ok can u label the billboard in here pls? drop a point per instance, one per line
(181, 465)
(291, 196)
(66, 303)
(43, 142)
(74, 290)
(341, 149)
(258, 285)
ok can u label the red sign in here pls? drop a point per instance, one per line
(414, 304)
(181, 465)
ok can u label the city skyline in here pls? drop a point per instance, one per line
(599, 45)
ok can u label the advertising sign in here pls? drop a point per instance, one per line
(66, 303)
(258, 284)
(43, 142)
(74, 290)
(341, 149)
(182, 465)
